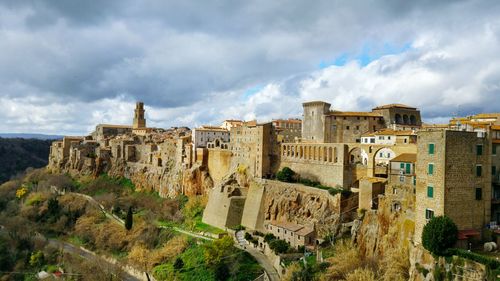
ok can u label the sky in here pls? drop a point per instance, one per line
(66, 66)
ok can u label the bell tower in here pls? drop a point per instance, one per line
(139, 121)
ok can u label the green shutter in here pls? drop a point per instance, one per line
(479, 149)
(494, 149)
(408, 168)
(431, 148)
(431, 169)
(479, 193)
(479, 170)
(402, 165)
(430, 191)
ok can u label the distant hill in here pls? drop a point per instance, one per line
(17, 154)
(30, 136)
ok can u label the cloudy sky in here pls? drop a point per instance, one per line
(66, 66)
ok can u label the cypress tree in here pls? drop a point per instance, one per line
(128, 220)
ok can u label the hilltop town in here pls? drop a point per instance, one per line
(377, 176)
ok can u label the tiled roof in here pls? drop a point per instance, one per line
(114, 126)
(394, 105)
(304, 231)
(355, 113)
(390, 132)
(405, 157)
(287, 225)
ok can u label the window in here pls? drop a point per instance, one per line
(479, 193)
(431, 148)
(357, 127)
(430, 170)
(429, 214)
(494, 150)
(389, 137)
(347, 127)
(381, 154)
(374, 128)
(479, 149)
(493, 170)
(402, 178)
(479, 170)
(415, 180)
(402, 165)
(408, 168)
(430, 192)
(372, 140)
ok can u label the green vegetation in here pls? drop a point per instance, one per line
(439, 234)
(217, 260)
(279, 246)
(28, 203)
(286, 174)
(16, 155)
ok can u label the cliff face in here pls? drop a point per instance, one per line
(306, 206)
(151, 165)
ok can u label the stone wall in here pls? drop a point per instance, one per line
(219, 163)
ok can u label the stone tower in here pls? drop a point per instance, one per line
(313, 126)
(139, 120)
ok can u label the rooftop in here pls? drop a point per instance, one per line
(390, 132)
(405, 157)
(287, 225)
(355, 113)
(394, 105)
(115, 126)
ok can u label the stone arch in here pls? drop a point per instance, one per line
(398, 118)
(355, 155)
(405, 119)
(373, 159)
(217, 143)
(413, 120)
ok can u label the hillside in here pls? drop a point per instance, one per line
(17, 154)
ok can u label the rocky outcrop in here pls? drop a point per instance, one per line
(306, 206)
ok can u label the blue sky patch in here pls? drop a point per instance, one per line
(369, 52)
(252, 91)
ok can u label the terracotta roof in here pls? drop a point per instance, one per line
(487, 115)
(394, 105)
(425, 126)
(355, 113)
(464, 234)
(304, 231)
(233, 121)
(405, 157)
(495, 127)
(297, 121)
(390, 132)
(287, 225)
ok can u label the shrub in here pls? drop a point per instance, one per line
(129, 219)
(279, 246)
(248, 236)
(269, 237)
(178, 264)
(286, 174)
(439, 234)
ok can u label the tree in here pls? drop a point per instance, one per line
(286, 174)
(129, 219)
(279, 246)
(439, 234)
(215, 251)
(178, 264)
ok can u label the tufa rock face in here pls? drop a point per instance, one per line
(156, 162)
(306, 206)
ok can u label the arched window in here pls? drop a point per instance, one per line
(398, 118)
(405, 119)
(413, 120)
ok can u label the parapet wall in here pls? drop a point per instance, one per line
(326, 162)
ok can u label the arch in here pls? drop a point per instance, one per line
(335, 155)
(355, 155)
(301, 150)
(413, 120)
(217, 143)
(398, 118)
(374, 157)
(405, 119)
(330, 154)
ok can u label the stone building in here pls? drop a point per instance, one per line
(288, 130)
(295, 234)
(453, 179)
(322, 125)
(252, 147)
(205, 134)
(399, 116)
